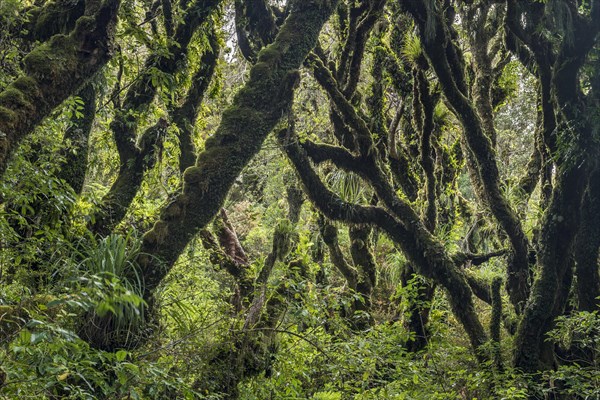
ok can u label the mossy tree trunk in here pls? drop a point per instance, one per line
(185, 115)
(255, 111)
(588, 246)
(575, 160)
(360, 274)
(54, 71)
(77, 137)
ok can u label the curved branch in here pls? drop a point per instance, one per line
(479, 144)
(427, 254)
(116, 202)
(358, 43)
(463, 258)
(341, 157)
(327, 81)
(184, 116)
(329, 234)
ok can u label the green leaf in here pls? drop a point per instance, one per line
(121, 355)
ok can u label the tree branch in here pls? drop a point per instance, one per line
(427, 254)
(53, 71)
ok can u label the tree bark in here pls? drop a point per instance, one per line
(75, 165)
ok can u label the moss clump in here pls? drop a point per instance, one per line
(52, 61)
(14, 97)
(28, 86)
(8, 118)
(84, 26)
(57, 17)
(161, 230)
(192, 175)
(270, 55)
(173, 211)
(212, 161)
(259, 70)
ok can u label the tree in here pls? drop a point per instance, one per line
(54, 71)
(398, 119)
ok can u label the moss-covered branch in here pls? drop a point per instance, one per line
(282, 243)
(54, 71)
(255, 26)
(185, 115)
(51, 18)
(419, 246)
(329, 233)
(363, 259)
(325, 78)
(587, 248)
(116, 202)
(355, 44)
(142, 91)
(419, 307)
(495, 321)
(463, 258)
(426, 159)
(447, 63)
(77, 135)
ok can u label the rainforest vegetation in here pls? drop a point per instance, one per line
(301, 199)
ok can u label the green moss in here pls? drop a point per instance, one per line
(10, 99)
(269, 55)
(50, 60)
(85, 25)
(55, 17)
(192, 175)
(213, 160)
(15, 97)
(173, 211)
(28, 86)
(40, 62)
(7, 116)
(260, 70)
(157, 234)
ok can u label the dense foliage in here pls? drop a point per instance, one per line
(326, 199)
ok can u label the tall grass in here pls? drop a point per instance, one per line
(110, 278)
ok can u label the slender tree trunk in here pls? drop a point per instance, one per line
(76, 158)
(588, 246)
